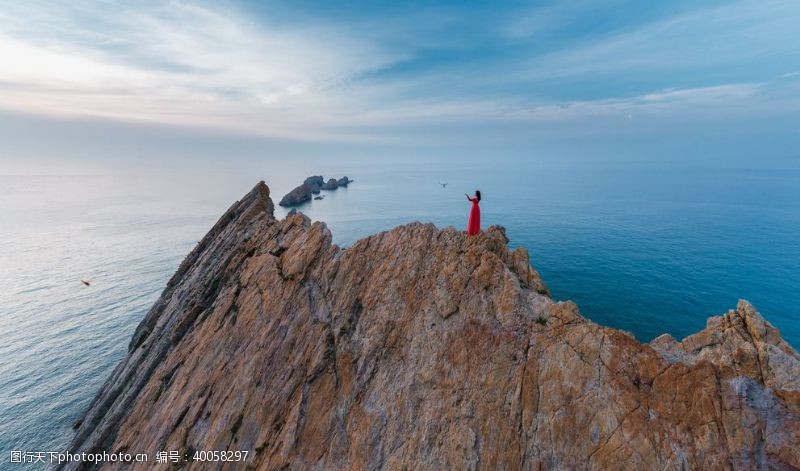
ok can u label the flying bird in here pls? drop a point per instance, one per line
(86, 282)
(443, 184)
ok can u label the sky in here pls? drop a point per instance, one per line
(105, 78)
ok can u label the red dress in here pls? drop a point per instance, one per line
(474, 224)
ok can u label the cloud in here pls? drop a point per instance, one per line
(179, 63)
(680, 103)
(303, 76)
(732, 34)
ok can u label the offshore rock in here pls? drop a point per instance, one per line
(330, 184)
(344, 181)
(315, 182)
(299, 195)
(421, 348)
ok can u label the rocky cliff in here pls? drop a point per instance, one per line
(421, 348)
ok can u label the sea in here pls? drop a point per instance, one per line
(646, 247)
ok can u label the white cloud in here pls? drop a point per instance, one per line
(732, 99)
(180, 62)
(730, 34)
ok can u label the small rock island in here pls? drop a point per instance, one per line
(422, 348)
(312, 186)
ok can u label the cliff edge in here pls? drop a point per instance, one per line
(421, 348)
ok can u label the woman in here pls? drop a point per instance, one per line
(474, 224)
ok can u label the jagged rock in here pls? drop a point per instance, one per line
(315, 182)
(299, 195)
(421, 348)
(330, 184)
(344, 181)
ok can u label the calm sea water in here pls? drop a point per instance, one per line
(642, 247)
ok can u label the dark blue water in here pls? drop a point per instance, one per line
(648, 248)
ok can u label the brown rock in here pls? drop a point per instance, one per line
(420, 348)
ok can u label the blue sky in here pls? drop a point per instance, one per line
(378, 74)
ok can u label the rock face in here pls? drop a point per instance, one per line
(299, 195)
(344, 181)
(420, 348)
(330, 185)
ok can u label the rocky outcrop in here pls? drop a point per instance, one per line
(299, 195)
(421, 348)
(311, 186)
(315, 182)
(330, 184)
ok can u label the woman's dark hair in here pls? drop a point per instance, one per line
(478, 194)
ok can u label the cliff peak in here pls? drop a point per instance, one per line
(423, 348)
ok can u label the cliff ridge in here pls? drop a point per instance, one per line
(422, 348)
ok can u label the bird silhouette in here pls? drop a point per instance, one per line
(86, 282)
(443, 184)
